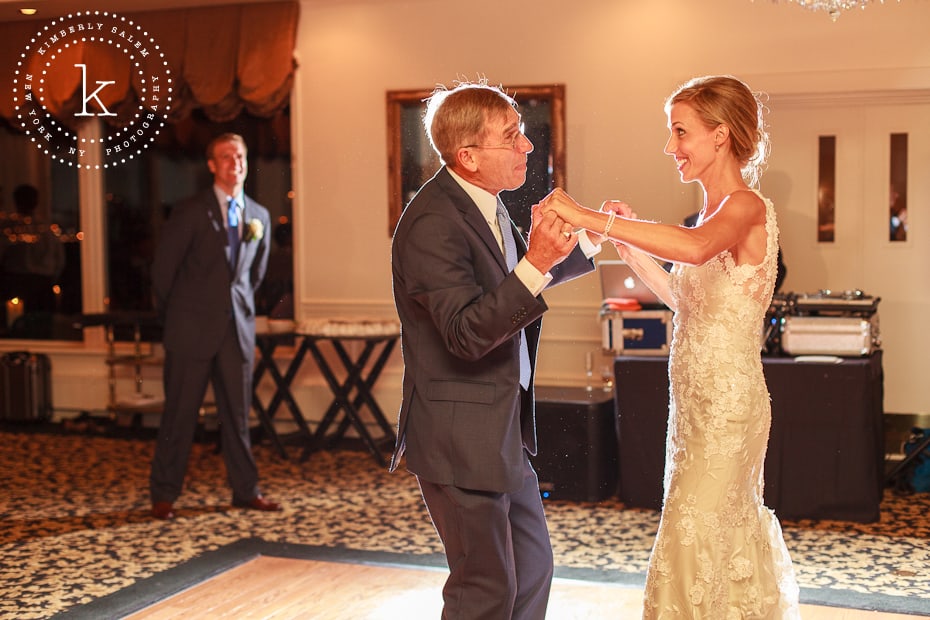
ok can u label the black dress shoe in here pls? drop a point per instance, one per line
(258, 503)
(163, 510)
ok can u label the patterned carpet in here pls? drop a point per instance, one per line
(75, 526)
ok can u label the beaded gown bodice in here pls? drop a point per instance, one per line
(719, 552)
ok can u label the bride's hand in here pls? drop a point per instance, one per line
(610, 206)
(564, 206)
(624, 251)
(619, 207)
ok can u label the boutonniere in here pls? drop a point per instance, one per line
(254, 230)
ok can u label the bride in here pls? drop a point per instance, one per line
(719, 552)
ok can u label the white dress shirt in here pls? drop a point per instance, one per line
(531, 277)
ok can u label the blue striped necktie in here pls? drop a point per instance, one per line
(510, 256)
(232, 230)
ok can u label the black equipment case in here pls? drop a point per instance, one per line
(25, 387)
(577, 437)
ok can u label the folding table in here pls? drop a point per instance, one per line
(357, 380)
(266, 343)
(350, 393)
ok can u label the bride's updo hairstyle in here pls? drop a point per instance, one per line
(725, 100)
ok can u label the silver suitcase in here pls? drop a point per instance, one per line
(828, 335)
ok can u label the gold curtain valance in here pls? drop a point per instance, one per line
(222, 58)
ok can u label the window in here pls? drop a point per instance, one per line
(132, 202)
(826, 190)
(40, 248)
(897, 199)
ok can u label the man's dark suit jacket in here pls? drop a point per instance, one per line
(196, 289)
(464, 421)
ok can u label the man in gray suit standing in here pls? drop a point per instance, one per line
(210, 260)
(467, 290)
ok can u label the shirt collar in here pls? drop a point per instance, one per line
(223, 198)
(486, 201)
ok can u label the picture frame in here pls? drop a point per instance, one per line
(412, 161)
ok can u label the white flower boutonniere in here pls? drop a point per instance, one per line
(254, 230)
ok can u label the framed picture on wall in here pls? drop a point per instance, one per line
(412, 161)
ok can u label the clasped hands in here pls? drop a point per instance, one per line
(551, 239)
(556, 220)
(581, 217)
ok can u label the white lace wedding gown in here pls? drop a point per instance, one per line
(719, 553)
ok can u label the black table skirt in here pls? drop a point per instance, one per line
(826, 450)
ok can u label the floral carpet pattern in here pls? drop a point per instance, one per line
(75, 525)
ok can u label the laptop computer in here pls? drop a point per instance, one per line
(618, 280)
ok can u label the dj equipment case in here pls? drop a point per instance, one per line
(25, 387)
(835, 303)
(639, 332)
(576, 435)
(830, 323)
(830, 335)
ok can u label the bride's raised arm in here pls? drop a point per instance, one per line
(650, 272)
(667, 242)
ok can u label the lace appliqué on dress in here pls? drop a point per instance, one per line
(719, 552)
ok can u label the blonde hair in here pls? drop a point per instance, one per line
(225, 137)
(458, 117)
(725, 100)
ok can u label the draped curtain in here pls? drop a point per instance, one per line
(223, 59)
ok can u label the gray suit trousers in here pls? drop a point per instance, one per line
(185, 380)
(498, 549)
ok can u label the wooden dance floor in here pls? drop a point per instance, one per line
(275, 588)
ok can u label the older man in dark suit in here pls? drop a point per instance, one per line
(210, 260)
(467, 290)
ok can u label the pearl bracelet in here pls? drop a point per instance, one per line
(610, 222)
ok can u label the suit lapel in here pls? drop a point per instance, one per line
(217, 223)
(472, 216)
(215, 213)
(246, 213)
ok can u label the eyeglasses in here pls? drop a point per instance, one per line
(511, 144)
